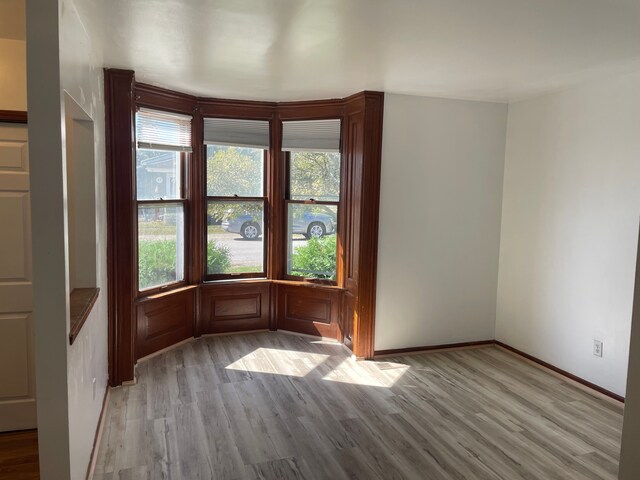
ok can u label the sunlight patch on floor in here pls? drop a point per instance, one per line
(279, 362)
(367, 373)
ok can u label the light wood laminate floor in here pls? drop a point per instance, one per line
(279, 406)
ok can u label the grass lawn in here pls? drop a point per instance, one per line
(155, 228)
(242, 269)
(160, 228)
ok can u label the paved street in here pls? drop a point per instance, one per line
(246, 252)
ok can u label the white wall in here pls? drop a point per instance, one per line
(442, 167)
(82, 79)
(569, 228)
(13, 74)
(64, 54)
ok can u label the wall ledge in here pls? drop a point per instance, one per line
(81, 303)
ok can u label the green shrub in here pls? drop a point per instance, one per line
(218, 258)
(316, 259)
(157, 261)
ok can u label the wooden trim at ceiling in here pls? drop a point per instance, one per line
(311, 110)
(236, 103)
(357, 96)
(560, 371)
(13, 116)
(214, 107)
(161, 98)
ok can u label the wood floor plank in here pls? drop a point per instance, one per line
(19, 455)
(271, 405)
(285, 469)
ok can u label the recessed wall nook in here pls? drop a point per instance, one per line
(81, 219)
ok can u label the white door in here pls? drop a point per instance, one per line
(17, 376)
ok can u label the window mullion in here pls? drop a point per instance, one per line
(163, 201)
(214, 198)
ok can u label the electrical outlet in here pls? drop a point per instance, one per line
(597, 348)
(94, 388)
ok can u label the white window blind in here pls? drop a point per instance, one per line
(234, 132)
(311, 135)
(163, 131)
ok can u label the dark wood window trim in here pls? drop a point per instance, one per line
(120, 150)
(13, 116)
(353, 297)
(81, 303)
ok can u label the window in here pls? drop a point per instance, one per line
(235, 203)
(313, 197)
(163, 147)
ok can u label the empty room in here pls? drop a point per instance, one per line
(319, 239)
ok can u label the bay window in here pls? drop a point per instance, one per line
(282, 196)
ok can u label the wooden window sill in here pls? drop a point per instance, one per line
(82, 302)
(308, 283)
(153, 296)
(299, 283)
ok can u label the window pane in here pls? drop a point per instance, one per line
(315, 175)
(234, 171)
(160, 245)
(157, 174)
(311, 241)
(235, 243)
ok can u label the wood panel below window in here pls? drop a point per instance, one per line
(310, 310)
(234, 307)
(164, 319)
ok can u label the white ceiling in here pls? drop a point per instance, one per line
(495, 50)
